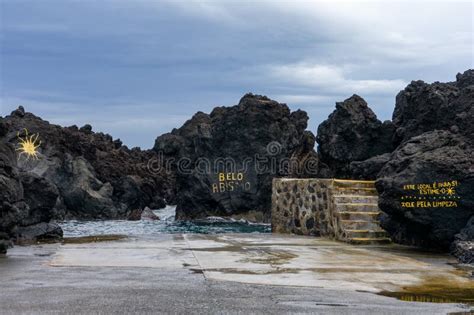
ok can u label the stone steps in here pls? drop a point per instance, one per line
(356, 204)
(357, 207)
(344, 198)
(355, 191)
(347, 183)
(369, 241)
(367, 233)
(360, 224)
(356, 215)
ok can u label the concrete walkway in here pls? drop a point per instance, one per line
(250, 273)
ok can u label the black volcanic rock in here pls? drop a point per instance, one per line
(368, 169)
(12, 207)
(463, 246)
(26, 200)
(423, 107)
(352, 133)
(435, 138)
(250, 136)
(433, 157)
(39, 232)
(142, 214)
(41, 196)
(81, 174)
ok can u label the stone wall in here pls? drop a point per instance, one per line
(302, 206)
(346, 210)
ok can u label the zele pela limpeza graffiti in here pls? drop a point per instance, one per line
(28, 144)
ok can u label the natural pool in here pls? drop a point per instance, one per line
(167, 225)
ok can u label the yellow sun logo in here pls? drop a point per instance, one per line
(28, 145)
(450, 191)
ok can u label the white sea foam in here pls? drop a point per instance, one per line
(165, 225)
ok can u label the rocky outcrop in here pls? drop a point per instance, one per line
(435, 134)
(143, 214)
(463, 246)
(426, 150)
(27, 201)
(12, 207)
(40, 232)
(225, 161)
(430, 215)
(423, 107)
(148, 214)
(77, 174)
(368, 169)
(352, 133)
(81, 174)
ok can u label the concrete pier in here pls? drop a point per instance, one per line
(226, 273)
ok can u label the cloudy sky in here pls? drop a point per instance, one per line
(137, 69)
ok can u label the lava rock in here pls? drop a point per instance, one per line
(225, 161)
(142, 214)
(463, 251)
(88, 174)
(463, 246)
(5, 242)
(135, 215)
(41, 196)
(148, 214)
(435, 156)
(86, 129)
(352, 133)
(13, 209)
(368, 169)
(423, 107)
(39, 232)
(26, 200)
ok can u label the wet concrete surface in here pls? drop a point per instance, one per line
(241, 273)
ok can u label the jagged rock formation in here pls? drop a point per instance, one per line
(96, 177)
(463, 246)
(429, 141)
(25, 200)
(423, 107)
(79, 174)
(225, 161)
(436, 135)
(352, 133)
(12, 207)
(142, 214)
(436, 156)
(368, 169)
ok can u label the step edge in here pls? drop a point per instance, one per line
(360, 212)
(356, 204)
(370, 239)
(366, 231)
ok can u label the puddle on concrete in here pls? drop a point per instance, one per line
(270, 258)
(226, 248)
(93, 239)
(250, 271)
(258, 255)
(437, 290)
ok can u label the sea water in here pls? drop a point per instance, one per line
(166, 225)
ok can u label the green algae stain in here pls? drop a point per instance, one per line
(271, 258)
(437, 290)
(93, 239)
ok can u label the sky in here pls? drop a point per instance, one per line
(137, 69)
